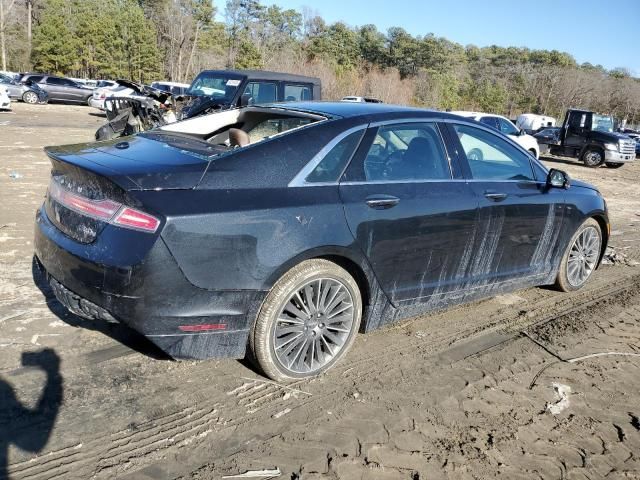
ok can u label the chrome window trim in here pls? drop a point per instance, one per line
(442, 180)
(300, 179)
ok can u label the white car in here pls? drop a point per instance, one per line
(505, 126)
(5, 101)
(360, 99)
(101, 94)
(173, 88)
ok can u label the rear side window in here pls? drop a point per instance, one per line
(297, 93)
(60, 81)
(332, 165)
(406, 152)
(490, 157)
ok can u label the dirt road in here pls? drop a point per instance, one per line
(478, 391)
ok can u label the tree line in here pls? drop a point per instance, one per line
(146, 40)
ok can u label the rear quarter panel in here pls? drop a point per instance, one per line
(243, 225)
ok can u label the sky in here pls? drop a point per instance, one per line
(604, 32)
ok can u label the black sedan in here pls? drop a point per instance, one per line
(289, 228)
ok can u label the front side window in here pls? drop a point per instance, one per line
(410, 152)
(331, 166)
(297, 93)
(491, 157)
(507, 127)
(261, 92)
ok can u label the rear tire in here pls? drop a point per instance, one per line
(614, 165)
(307, 322)
(581, 257)
(593, 157)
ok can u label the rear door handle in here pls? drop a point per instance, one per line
(495, 196)
(382, 202)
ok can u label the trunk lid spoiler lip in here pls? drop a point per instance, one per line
(84, 158)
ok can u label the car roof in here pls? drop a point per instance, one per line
(265, 75)
(359, 109)
(476, 115)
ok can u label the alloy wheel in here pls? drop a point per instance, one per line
(313, 326)
(30, 97)
(583, 256)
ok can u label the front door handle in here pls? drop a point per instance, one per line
(495, 196)
(382, 202)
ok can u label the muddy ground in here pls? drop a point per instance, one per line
(479, 391)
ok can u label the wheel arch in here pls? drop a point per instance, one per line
(354, 262)
(602, 220)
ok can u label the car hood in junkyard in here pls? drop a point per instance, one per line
(147, 161)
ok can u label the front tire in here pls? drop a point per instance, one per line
(614, 165)
(581, 257)
(593, 157)
(30, 97)
(308, 321)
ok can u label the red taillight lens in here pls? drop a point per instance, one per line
(100, 209)
(132, 218)
(104, 210)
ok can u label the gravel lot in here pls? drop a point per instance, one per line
(478, 391)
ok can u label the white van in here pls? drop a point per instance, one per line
(531, 123)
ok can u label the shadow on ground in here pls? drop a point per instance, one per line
(29, 428)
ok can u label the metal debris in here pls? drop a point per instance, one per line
(15, 175)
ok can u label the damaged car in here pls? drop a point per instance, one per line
(132, 107)
(28, 92)
(281, 231)
(212, 90)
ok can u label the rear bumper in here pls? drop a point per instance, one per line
(152, 297)
(616, 157)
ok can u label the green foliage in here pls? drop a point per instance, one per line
(96, 38)
(54, 41)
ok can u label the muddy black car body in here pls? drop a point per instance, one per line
(189, 240)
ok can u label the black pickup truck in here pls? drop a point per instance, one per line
(590, 137)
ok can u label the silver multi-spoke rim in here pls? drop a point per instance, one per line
(583, 256)
(30, 97)
(313, 326)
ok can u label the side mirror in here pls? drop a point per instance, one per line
(245, 100)
(558, 179)
(522, 132)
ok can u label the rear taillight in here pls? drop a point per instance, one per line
(132, 218)
(104, 210)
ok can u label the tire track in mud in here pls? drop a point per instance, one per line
(213, 409)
